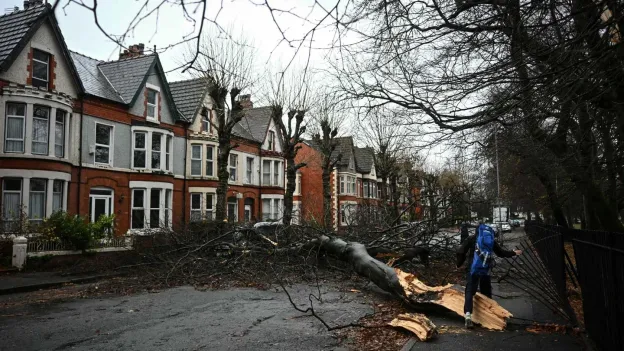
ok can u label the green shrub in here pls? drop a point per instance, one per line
(76, 231)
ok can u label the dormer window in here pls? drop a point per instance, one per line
(40, 69)
(271, 140)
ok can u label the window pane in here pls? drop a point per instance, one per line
(101, 154)
(102, 134)
(41, 56)
(155, 159)
(138, 198)
(139, 159)
(41, 112)
(266, 209)
(59, 139)
(12, 184)
(154, 218)
(138, 219)
(151, 96)
(195, 201)
(155, 198)
(151, 111)
(196, 151)
(139, 140)
(57, 186)
(40, 71)
(196, 167)
(101, 192)
(156, 139)
(16, 109)
(209, 201)
(11, 203)
(168, 145)
(15, 128)
(40, 136)
(37, 184)
(209, 152)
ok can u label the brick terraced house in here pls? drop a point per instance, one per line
(95, 137)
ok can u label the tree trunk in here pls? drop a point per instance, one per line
(291, 177)
(327, 205)
(224, 176)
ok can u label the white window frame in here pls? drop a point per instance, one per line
(196, 159)
(14, 217)
(233, 169)
(144, 148)
(168, 148)
(110, 147)
(148, 104)
(47, 80)
(56, 125)
(45, 199)
(266, 171)
(209, 203)
(47, 129)
(166, 137)
(61, 194)
(147, 204)
(249, 178)
(197, 211)
(297, 184)
(209, 161)
(154, 152)
(276, 173)
(6, 129)
(142, 209)
(205, 120)
(271, 146)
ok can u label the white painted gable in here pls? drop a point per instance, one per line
(45, 40)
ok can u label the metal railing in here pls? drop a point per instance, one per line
(40, 245)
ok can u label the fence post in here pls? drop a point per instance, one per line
(19, 252)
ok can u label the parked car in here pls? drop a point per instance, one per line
(514, 222)
(504, 226)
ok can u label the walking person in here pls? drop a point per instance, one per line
(481, 249)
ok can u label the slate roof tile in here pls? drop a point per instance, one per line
(127, 75)
(15, 26)
(188, 96)
(94, 81)
(364, 159)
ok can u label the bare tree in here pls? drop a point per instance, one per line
(290, 94)
(328, 115)
(228, 68)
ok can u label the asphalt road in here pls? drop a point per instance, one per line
(182, 319)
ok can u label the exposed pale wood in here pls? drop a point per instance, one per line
(417, 323)
(486, 312)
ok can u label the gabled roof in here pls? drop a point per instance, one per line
(94, 81)
(188, 96)
(256, 122)
(364, 159)
(16, 29)
(128, 75)
(344, 147)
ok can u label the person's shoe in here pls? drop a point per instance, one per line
(469, 324)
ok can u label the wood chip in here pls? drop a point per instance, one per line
(417, 323)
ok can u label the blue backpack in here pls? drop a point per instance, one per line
(483, 259)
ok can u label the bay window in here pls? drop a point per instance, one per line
(40, 69)
(272, 208)
(59, 133)
(103, 143)
(347, 185)
(209, 161)
(151, 149)
(233, 167)
(37, 200)
(15, 126)
(196, 160)
(276, 173)
(151, 206)
(271, 173)
(40, 130)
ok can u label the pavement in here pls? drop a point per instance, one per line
(16, 282)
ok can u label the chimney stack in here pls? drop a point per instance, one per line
(133, 51)
(245, 101)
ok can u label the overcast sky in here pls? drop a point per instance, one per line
(169, 26)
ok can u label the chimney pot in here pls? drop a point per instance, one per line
(134, 50)
(245, 101)
(26, 4)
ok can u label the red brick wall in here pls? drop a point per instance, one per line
(311, 184)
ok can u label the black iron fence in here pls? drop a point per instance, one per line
(600, 272)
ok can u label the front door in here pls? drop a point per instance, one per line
(100, 203)
(247, 213)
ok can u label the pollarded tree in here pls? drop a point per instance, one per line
(228, 67)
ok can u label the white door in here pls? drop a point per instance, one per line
(100, 203)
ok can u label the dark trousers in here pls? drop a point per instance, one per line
(483, 282)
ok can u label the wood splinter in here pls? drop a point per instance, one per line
(417, 323)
